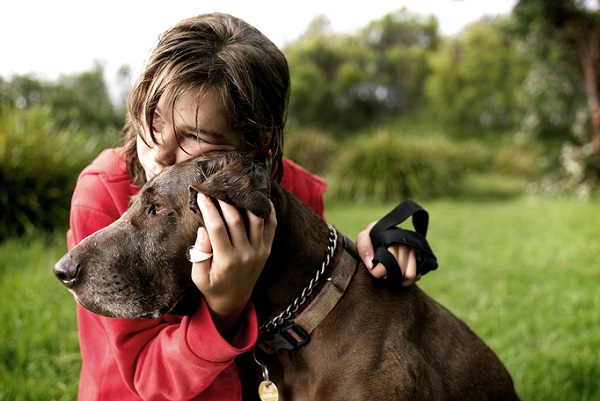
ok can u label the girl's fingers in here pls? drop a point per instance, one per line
(235, 227)
(202, 242)
(365, 249)
(262, 232)
(405, 256)
(231, 232)
(215, 226)
(378, 271)
(409, 275)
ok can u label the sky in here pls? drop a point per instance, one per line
(52, 37)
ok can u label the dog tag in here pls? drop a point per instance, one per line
(267, 390)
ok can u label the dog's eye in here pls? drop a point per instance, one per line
(153, 209)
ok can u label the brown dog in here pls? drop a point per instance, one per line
(344, 334)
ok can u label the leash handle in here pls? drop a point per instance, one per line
(385, 233)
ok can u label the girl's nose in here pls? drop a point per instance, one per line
(165, 149)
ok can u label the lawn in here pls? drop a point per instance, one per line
(524, 275)
(39, 354)
(521, 273)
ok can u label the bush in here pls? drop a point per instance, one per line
(573, 173)
(310, 148)
(387, 167)
(516, 159)
(39, 165)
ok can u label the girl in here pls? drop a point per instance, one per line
(212, 82)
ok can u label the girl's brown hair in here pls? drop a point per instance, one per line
(222, 53)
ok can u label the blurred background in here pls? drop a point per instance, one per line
(485, 112)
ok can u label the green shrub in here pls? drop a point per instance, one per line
(388, 167)
(515, 159)
(310, 148)
(39, 165)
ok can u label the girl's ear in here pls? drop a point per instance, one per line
(265, 143)
(241, 183)
(265, 139)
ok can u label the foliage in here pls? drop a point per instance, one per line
(476, 78)
(312, 100)
(400, 43)
(518, 75)
(576, 175)
(498, 84)
(553, 100)
(84, 98)
(509, 157)
(49, 131)
(76, 101)
(39, 164)
(566, 33)
(553, 105)
(386, 166)
(433, 160)
(311, 148)
(346, 81)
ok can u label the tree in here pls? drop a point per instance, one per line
(574, 27)
(77, 101)
(476, 78)
(349, 81)
(314, 61)
(84, 99)
(21, 91)
(400, 43)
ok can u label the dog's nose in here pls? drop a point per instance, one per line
(67, 270)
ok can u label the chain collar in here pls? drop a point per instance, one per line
(293, 308)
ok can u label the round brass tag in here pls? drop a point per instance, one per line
(267, 391)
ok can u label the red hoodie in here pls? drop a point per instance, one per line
(174, 357)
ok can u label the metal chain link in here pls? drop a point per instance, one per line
(291, 310)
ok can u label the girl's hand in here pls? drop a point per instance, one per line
(239, 255)
(406, 257)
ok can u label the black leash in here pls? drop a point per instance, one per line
(385, 233)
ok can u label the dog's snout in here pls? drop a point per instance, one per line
(67, 270)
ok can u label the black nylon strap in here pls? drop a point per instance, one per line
(385, 233)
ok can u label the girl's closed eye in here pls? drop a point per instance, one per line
(157, 123)
(195, 137)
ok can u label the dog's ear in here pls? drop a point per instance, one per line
(241, 183)
(194, 199)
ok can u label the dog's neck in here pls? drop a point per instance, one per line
(299, 249)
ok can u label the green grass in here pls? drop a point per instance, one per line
(522, 274)
(39, 354)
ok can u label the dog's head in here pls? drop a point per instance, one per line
(136, 267)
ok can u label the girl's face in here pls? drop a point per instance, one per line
(200, 125)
